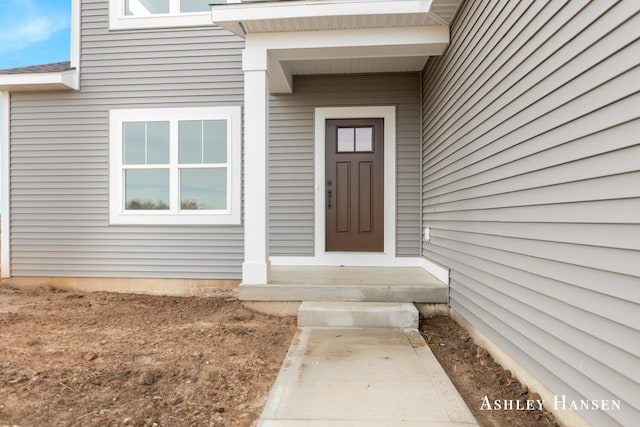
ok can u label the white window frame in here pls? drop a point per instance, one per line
(119, 21)
(175, 216)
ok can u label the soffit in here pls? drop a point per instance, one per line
(34, 87)
(356, 65)
(328, 23)
(326, 15)
(337, 36)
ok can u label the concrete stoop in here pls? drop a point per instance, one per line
(358, 315)
(357, 284)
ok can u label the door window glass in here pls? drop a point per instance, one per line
(364, 139)
(357, 140)
(345, 140)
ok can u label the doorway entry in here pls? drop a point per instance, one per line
(354, 176)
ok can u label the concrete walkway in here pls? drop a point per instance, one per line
(363, 377)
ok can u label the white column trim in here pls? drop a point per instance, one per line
(75, 43)
(388, 257)
(5, 240)
(256, 266)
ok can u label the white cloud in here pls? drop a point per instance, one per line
(23, 24)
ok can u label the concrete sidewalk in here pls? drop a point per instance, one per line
(363, 377)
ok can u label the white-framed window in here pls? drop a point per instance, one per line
(131, 14)
(175, 165)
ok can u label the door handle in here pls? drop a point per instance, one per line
(329, 194)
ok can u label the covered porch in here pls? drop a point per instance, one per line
(289, 39)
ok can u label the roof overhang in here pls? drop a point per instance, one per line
(320, 15)
(340, 52)
(288, 38)
(30, 82)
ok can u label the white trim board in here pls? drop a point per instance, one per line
(231, 16)
(61, 80)
(6, 208)
(388, 113)
(356, 259)
(75, 42)
(440, 273)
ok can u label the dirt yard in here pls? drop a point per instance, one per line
(100, 359)
(75, 359)
(475, 374)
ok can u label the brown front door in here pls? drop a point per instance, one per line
(355, 185)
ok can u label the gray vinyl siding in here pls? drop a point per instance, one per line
(291, 155)
(60, 156)
(531, 187)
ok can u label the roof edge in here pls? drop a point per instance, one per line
(41, 78)
(39, 68)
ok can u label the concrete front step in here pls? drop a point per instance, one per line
(431, 294)
(358, 315)
(380, 284)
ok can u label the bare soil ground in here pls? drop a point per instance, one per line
(100, 359)
(89, 359)
(476, 375)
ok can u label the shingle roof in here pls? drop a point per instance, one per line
(43, 68)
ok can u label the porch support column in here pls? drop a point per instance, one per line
(256, 266)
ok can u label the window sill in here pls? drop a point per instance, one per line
(117, 22)
(195, 218)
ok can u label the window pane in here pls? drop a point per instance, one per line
(203, 188)
(157, 143)
(345, 139)
(215, 141)
(133, 140)
(196, 5)
(364, 139)
(190, 142)
(147, 189)
(145, 7)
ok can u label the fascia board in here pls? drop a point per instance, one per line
(230, 15)
(310, 9)
(372, 37)
(39, 81)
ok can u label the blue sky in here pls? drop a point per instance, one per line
(34, 32)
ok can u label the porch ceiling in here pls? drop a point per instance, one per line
(356, 65)
(338, 36)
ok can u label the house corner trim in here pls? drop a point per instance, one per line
(5, 239)
(73, 79)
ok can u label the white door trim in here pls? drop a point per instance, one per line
(388, 257)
